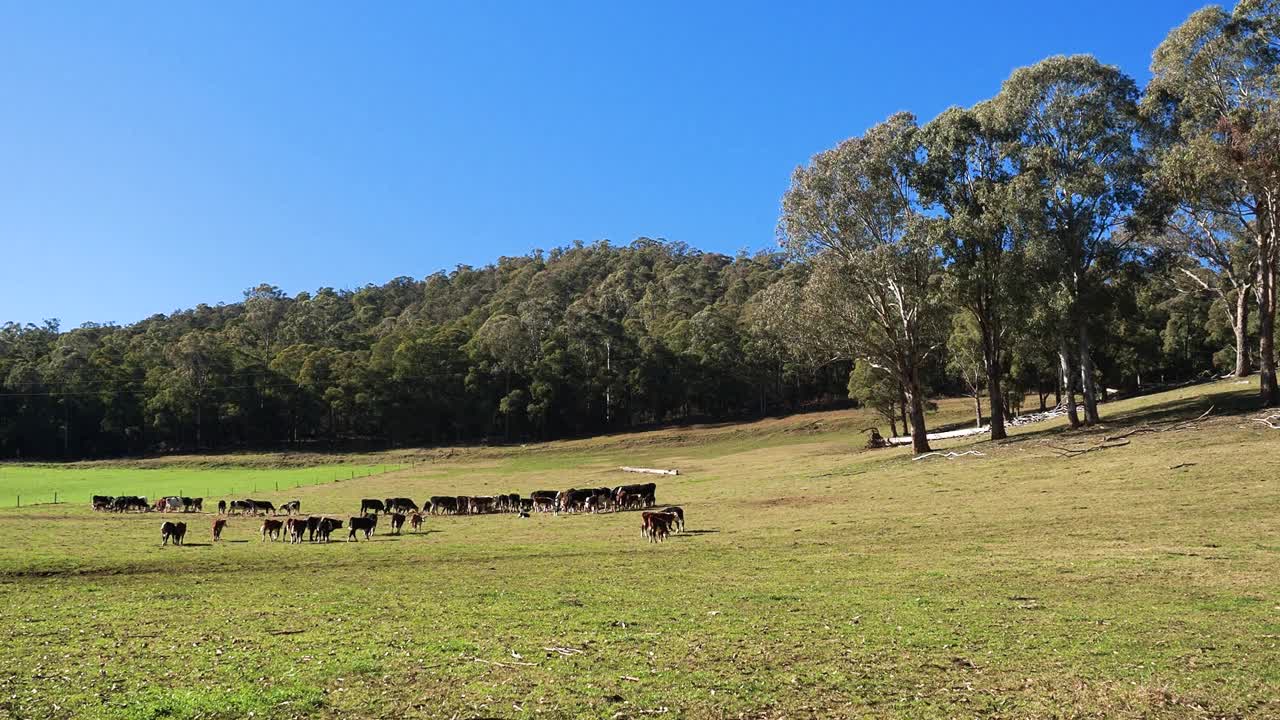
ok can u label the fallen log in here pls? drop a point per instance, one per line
(651, 471)
(950, 455)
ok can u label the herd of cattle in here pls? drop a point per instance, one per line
(656, 526)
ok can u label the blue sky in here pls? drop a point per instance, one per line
(158, 155)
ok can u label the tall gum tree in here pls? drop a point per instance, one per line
(1071, 126)
(873, 294)
(1212, 100)
(968, 174)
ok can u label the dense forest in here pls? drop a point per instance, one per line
(1073, 235)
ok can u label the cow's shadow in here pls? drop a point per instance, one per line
(696, 532)
(187, 544)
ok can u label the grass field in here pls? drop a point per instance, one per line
(817, 580)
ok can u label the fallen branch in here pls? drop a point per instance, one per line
(1151, 427)
(1182, 465)
(949, 455)
(1106, 444)
(564, 651)
(1269, 421)
(504, 664)
(651, 471)
(284, 632)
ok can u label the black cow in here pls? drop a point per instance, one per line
(241, 506)
(641, 495)
(364, 523)
(263, 506)
(291, 507)
(369, 504)
(401, 505)
(222, 507)
(678, 513)
(397, 522)
(103, 502)
(464, 504)
(172, 531)
(313, 522)
(326, 528)
(443, 505)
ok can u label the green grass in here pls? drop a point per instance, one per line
(819, 580)
(78, 482)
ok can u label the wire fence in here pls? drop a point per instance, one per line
(51, 496)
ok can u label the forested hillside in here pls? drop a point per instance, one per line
(579, 340)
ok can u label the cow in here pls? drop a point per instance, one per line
(174, 531)
(397, 522)
(240, 506)
(678, 513)
(295, 528)
(543, 500)
(326, 527)
(525, 506)
(443, 505)
(401, 505)
(637, 496)
(125, 503)
(197, 504)
(218, 525)
(162, 505)
(481, 504)
(572, 500)
(271, 528)
(292, 507)
(415, 521)
(263, 506)
(464, 504)
(313, 524)
(364, 523)
(656, 526)
(222, 507)
(103, 502)
(369, 504)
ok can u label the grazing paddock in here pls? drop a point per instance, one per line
(813, 579)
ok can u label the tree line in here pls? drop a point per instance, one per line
(1072, 236)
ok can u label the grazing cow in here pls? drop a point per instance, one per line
(464, 504)
(240, 506)
(187, 504)
(174, 531)
(370, 505)
(481, 504)
(677, 512)
(162, 505)
(525, 505)
(263, 506)
(197, 504)
(103, 502)
(222, 507)
(444, 505)
(415, 521)
(326, 528)
(365, 524)
(295, 528)
(401, 505)
(271, 528)
(643, 495)
(573, 500)
(125, 503)
(543, 500)
(292, 507)
(397, 522)
(218, 525)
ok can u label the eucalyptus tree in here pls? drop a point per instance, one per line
(1071, 129)
(874, 293)
(1213, 97)
(969, 174)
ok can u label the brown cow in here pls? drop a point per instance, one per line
(218, 525)
(415, 521)
(272, 528)
(656, 526)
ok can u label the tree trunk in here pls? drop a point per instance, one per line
(893, 427)
(1242, 333)
(977, 406)
(1087, 386)
(1266, 333)
(994, 371)
(902, 407)
(1066, 381)
(919, 436)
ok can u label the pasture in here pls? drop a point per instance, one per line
(816, 579)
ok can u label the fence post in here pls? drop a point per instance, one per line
(19, 501)
(55, 497)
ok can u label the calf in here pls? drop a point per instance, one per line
(218, 525)
(656, 526)
(313, 524)
(174, 531)
(365, 524)
(415, 521)
(397, 522)
(326, 528)
(295, 528)
(401, 505)
(222, 507)
(370, 505)
(197, 505)
(292, 507)
(271, 528)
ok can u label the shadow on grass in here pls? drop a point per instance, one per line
(698, 532)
